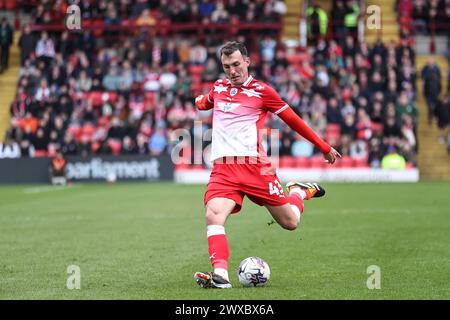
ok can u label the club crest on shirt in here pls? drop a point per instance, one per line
(227, 106)
(233, 91)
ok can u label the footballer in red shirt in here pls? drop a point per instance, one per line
(240, 165)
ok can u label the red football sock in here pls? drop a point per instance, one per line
(296, 200)
(218, 246)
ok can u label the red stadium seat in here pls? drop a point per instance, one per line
(410, 165)
(10, 4)
(287, 162)
(182, 166)
(378, 127)
(96, 97)
(103, 122)
(344, 162)
(196, 88)
(295, 58)
(98, 25)
(95, 146)
(302, 162)
(112, 96)
(88, 130)
(75, 131)
(360, 163)
(334, 128)
(40, 153)
(150, 97)
(206, 86)
(317, 162)
(196, 70)
(115, 147)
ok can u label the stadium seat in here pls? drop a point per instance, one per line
(112, 96)
(377, 127)
(294, 58)
(360, 163)
(88, 129)
(115, 146)
(334, 128)
(196, 88)
(182, 166)
(103, 122)
(195, 72)
(206, 86)
(345, 162)
(40, 153)
(75, 131)
(302, 162)
(317, 162)
(10, 4)
(287, 162)
(150, 98)
(96, 97)
(95, 146)
(410, 165)
(98, 26)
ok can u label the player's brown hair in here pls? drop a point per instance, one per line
(233, 46)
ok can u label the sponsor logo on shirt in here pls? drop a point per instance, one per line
(227, 106)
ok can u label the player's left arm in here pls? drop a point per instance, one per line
(298, 125)
(274, 103)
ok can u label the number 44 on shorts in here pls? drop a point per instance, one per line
(276, 188)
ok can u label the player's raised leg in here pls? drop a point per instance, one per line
(288, 216)
(217, 212)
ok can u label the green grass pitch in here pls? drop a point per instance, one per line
(145, 241)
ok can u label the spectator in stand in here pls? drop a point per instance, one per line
(267, 49)
(198, 54)
(27, 44)
(210, 73)
(317, 22)
(9, 149)
(351, 18)
(84, 148)
(220, 14)
(393, 160)
(338, 16)
(45, 49)
(206, 9)
(420, 16)
(6, 40)
(442, 113)
(431, 76)
(301, 147)
(40, 141)
(405, 106)
(158, 142)
(128, 146)
(112, 80)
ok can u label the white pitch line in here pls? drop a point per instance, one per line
(374, 210)
(49, 189)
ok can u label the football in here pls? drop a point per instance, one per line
(253, 272)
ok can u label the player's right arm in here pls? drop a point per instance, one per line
(203, 102)
(206, 102)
